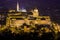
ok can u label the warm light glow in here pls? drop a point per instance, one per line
(35, 10)
(26, 29)
(18, 23)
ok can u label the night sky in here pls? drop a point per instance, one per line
(46, 7)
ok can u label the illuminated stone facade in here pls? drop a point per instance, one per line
(18, 23)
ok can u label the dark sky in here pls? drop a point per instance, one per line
(46, 7)
(43, 5)
(30, 3)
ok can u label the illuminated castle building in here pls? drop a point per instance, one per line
(25, 22)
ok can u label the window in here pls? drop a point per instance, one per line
(18, 18)
(43, 19)
(32, 18)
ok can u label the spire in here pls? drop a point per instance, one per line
(17, 6)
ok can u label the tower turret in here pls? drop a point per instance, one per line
(35, 12)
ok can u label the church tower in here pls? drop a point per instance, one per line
(17, 6)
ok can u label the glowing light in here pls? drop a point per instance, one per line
(23, 10)
(36, 22)
(35, 10)
(17, 6)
